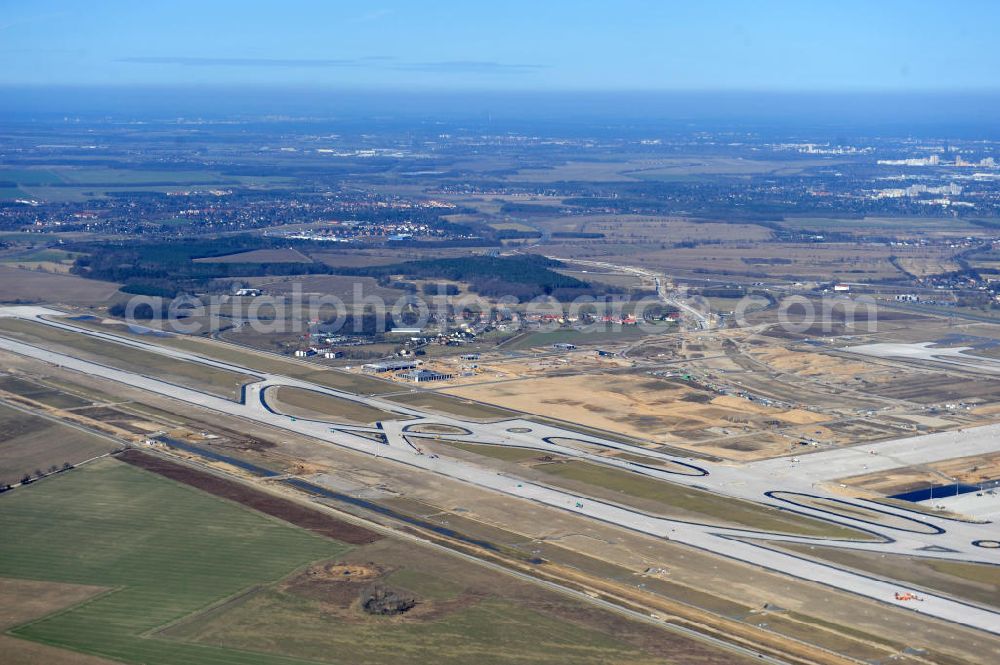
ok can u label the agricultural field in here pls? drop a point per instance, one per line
(21, 285)
(903, 227)
(190, 578)
(458, 619)
(162, 550)
(41, 393)
(39, 256)
(28, 600)
(511, 226)
(29, 442)
(926, 266)
(339, 286)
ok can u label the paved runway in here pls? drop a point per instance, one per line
(752, 481)
(828, 465)
(927, 351)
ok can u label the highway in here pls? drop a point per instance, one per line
(948, 539)
(704, 320)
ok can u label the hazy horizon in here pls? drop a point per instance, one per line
(820, 114)
(519, 45)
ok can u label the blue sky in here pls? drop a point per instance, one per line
(884, 45)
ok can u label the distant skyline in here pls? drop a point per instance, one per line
(636, 45)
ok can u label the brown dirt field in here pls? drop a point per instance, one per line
(636, 406)
(922, 267)
(970, 469)
(817, 365)
(933, 388)
(283, 509)
(29, 442)
(340, 286)
(26, 600)
(904, 479)
(22, 652)
(33, 286)
(120, 419)
(41, 393)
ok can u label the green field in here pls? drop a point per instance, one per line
(40, 255)
(491, 633)
(686, 502)
(466, 615)
(161, 549)
(198, 580)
